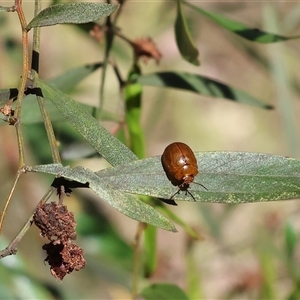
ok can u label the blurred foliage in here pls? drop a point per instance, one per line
(221, 251)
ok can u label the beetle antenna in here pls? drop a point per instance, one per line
(201, 185)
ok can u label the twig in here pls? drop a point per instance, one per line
(3, 212)
(12, 247)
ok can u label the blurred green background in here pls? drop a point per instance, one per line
(249, 251)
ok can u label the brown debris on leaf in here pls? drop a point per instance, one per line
(6, 110)
(8, 113)
(146, 49)
(58, 225)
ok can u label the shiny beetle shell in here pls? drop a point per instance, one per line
(180, 164)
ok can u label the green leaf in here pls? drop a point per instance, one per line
(66, 83)
(230, 177)
(72, 13)
(201, 85)
(184, 40)
(176, 219)
(31, 113)
(7, 94)
(98, 137)
(126, 204)
(4, 9)
(295, 294)
(251, 34)
(68, 80)
(163, 291)
(282, 75)
(290, 241)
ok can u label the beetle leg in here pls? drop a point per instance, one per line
(175, 194)
(188, 192)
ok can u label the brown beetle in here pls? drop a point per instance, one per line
(180, 165)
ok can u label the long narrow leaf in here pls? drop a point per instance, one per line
(65, 82)
(251, 34)
(98, 137)
(31, 112)
(184, 40)
(125, 203)
(230, 177)
(72, 13)
(69, 80)
(201, 85)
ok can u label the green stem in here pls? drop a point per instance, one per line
(137, 259)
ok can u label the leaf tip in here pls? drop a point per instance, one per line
(269, 106)
(174, 229)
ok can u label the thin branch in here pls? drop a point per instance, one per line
(7, 202)
(35, 68)
(12, 247)
(25, 71)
